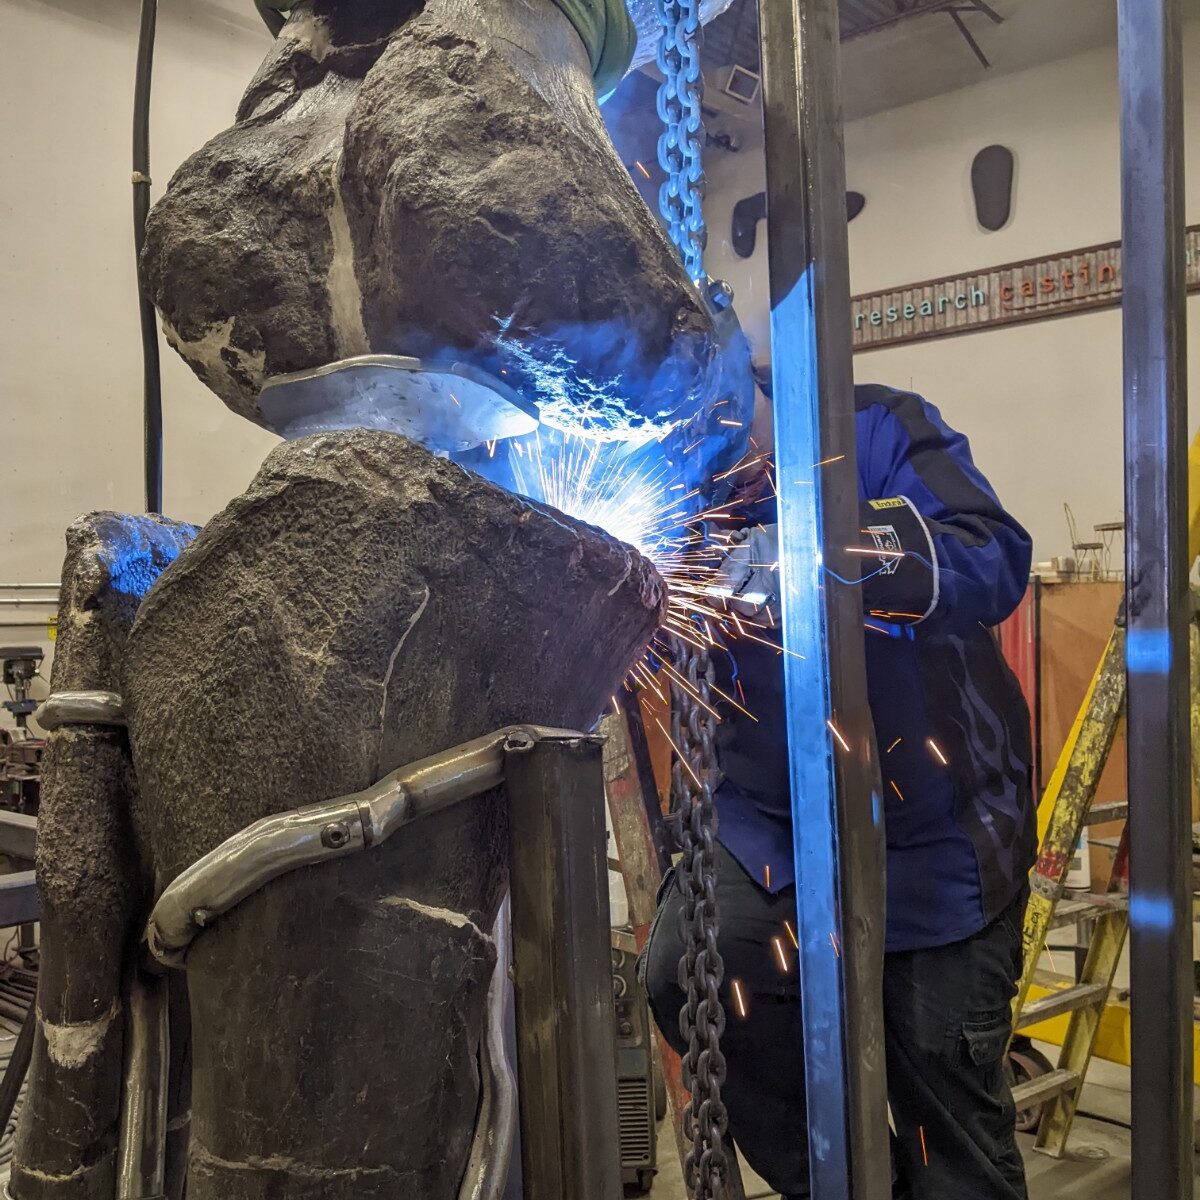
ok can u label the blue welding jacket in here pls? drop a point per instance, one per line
(961, 834)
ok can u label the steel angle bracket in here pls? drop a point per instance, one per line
(448, 407)
(284, 842)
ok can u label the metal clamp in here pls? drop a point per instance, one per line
(284, 842)
(80, 708)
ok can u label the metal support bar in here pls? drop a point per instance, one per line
(1156, 593)
(562, 971)
(142, 1143)
(18, 835)
(969, 38)
(18, 899)
(834, 778)
(286, 841)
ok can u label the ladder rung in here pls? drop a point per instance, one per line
(1068, 911)
(1044, 1087)
(1064, 1001)
(1100, 814)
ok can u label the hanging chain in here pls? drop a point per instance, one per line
(701, 1019)
(693, 726)
(681, 144)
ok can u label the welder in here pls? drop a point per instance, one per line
(945, 564)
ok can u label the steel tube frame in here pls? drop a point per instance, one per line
(1156, 594)
(142, 1138)
(834, 775)
(562, 970)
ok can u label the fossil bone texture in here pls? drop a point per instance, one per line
(433, 181)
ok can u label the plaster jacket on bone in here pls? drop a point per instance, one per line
(434, 182)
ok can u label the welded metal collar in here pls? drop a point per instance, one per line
(284, 842)
(80, 708)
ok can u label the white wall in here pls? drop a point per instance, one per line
(1041, 402)
(70, 355)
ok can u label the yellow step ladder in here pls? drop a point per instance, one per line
(1065, 809)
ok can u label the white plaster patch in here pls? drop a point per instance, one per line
(448, 915)
(345, 295)
(206, 351)
(387, 678)
(72, 1044)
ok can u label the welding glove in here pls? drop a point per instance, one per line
(900, 583)
(749, 573)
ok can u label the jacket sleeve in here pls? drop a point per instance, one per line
(922, 486)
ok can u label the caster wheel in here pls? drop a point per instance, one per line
(1026, 1063)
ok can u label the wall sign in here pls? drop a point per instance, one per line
(1078, 281)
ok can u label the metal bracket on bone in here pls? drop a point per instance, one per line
(446, 407)
(80, 708)
(284, 842)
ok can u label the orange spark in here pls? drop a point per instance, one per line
(896, 789)
(937, 751)
(833, 941)
(893, 745)
(682, 758)
(767, 876)
(924, 1151)
(642, 169)
(845, 745)
(792, 934)
(826, 461)
(779, 954)
(738, 999)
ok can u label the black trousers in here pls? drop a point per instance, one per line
(947, 1015)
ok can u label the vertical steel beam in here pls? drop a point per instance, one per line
(1156, 591)
(836, 810)
(562, 970)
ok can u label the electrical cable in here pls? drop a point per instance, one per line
(151, 372)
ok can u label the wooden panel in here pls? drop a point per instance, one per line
(1076, 621)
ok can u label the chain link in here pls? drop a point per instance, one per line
(701, 969)
(693, 727)
(681, 144)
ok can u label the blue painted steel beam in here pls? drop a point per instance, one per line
(836, 810)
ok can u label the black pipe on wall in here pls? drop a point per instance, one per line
(151, 372)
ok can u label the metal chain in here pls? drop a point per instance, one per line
(680, 147)
(693, 727)
(701, 969)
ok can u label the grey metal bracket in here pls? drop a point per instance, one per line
(80, 708)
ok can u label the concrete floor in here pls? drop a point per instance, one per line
(1096, 1166)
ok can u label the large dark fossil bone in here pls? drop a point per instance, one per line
(433, 181)
(93, 881)
(362, 606)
